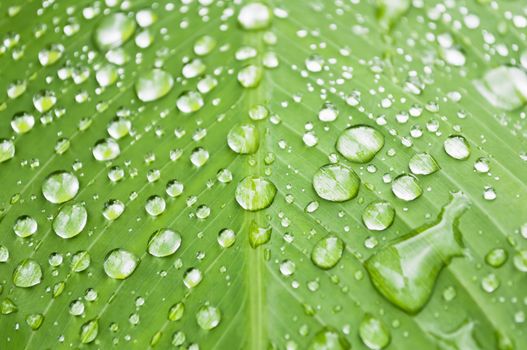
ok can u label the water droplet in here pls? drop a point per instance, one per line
(407, 279)
(199, 157)
(60, 187)
(378, 216)
(174, 188)
(34, 321)
(155, 206)
(106, 75)
(259, 235)
(329, 339)
(224, 176)
(120, 264)
(164, 242)
(190, 101)
(389, 11)
(4, 254)
(255, 16)
(192, 277)
(204, 45)
(255, 193)
(113, 31)
(50, 54)
(520, 261)
(153, 84)
(496, 257)
(360, 143)
(44, 100)
(336, 183)
(106, 149)
(327, 252)
(287, 268)
(25, 226)
(89, 331)
(328, 112)
(176, 312)
(27, 274)
(490, 283)
(7, 150)
(80, 261)
(258, 112)
(406, 187)
(145, 18)
(226, 238)
(193, 69)
(504, 87)
(250, 76)
(243, 139)
(457, 147)
(70, 221)
(482, 165)
(7, 307)
(208, 317)
(423, 164)
(16, 89)
(22, 122)
(374, 333)
(314, 63)
(113, 209)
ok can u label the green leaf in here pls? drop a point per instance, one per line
(297, 174)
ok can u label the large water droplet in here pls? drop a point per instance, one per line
(153, 84)
(60, 187)
(120, 264)
(22, 122)
(457, 147)
(155, 205)
(504, 87)
(496, 257)
(164, 242)
(34, 321)
(44, 100)
(389, 11)
(327, 252)
(190, 101)
(7, 150)
(374, 333)
(208, 317)
(27, 274)
(80, 261)
(243, 139)
(50, 54)
(192, 277)
(106, 75)
(250, 76)
(106, 149)
(255, 16)
(406, 187)
(114, 30)
(407, 279)
(113, 209)
(378, 216)
(423, 164)
(360, 143)
(336, 182)
(259, 235)
(226, 238)
(25, 226)
(70, 221)
(255, 193)
(89, 331)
